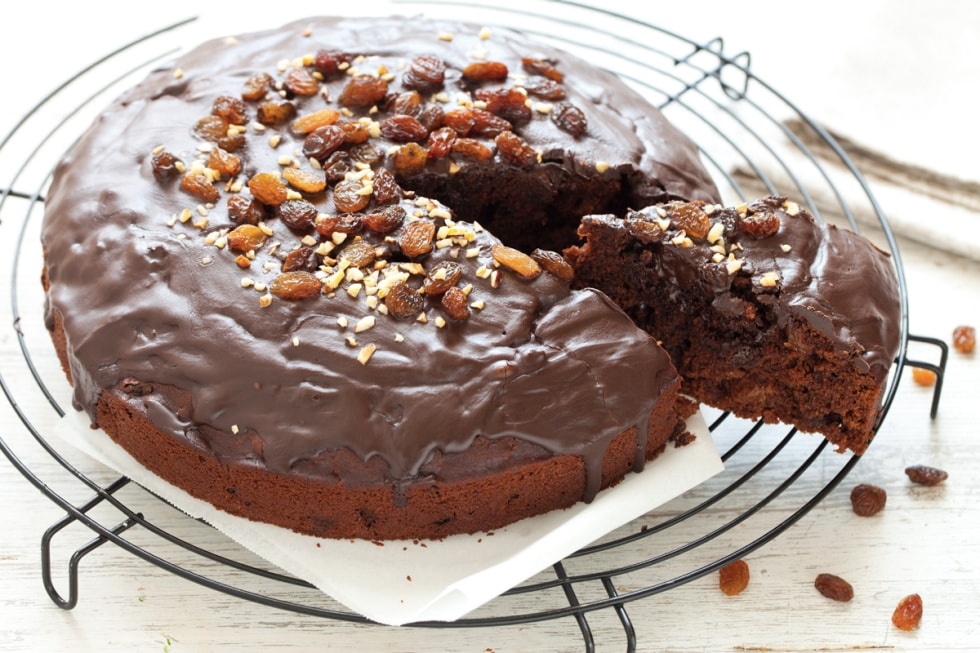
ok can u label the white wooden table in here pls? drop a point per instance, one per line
(925, 541)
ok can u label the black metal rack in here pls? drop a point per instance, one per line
(743, 129)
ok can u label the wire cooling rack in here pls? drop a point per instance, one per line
(753, 140)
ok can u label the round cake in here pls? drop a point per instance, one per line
(312, 276)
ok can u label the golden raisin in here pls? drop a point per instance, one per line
(297, 284)
(406, 102)
(733, 578)
(403, 128)
(543, 68)
(485, 71)
(347, 223)
(230, 109)
(211, 128)
(311, 121)
(908, 612)
(471, 149)
(460, 120)
(925, 475)
(691, 218)
(570, 119)
(454, 303)
(834, 587)
(440, 142)
(510, 104)
(257, 86)
(410, 159)
(275, 112)
(307, 181)
(554, 264)
(245, 238)
(268, 188)
(515, 151)
(425, 73)
(355, 132)
(359, 254)
(328, 62)
(761, 224)
(348, 196)
(516, 260)
(225, 163)
(964, 339)
(403, 301)
(385, 219)
(487, 124)
(200, 186)
(867, 499)
(415, 239)
(923, 376)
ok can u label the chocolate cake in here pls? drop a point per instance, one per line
(271, 277)
(766, 313)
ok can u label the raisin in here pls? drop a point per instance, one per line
(297, 284)
(554, 264)
(230, 109)
(164, 165)
(359, 254)
(516, 260)
(925, 475)
(646, 231)
(472, 149)
(454, 303)
(257, 86)
(311, 121)
(337, 166)
(386, 219)
(365, 153)
(307, 181)
(348, 196)
(275, 112)
(922, 376)
(225, 163)
(761, 224)
(733, 578)
(268, 188)
(510, 104)
(348, 223)
(442, 277)
(300, 82)
(328, 62)
(408, 103)
(363, 91)
(570, 119)
(964, 339)
(386, 189)
(211, 128)
(515, 151)
(486, 71)
(245, 210)
(543, 68)
(431, 117)
(323, 141)
(415, 239)
(867, 499)
(355, 132)
(461, 120)
(691, 218)
(246, 238)
(908, 612)
(487, 124)
(440, 143)
(402, 301)
(410, 159)
(834, 587)
(299, 215)
(301, 259)
(545, 89)
(425, 73)
(200, 186)
(403, 129)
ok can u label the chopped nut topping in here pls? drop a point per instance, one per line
(769, 280)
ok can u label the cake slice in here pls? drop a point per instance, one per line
(765, 312)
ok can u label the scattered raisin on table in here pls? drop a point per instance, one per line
(964, 339)
(734, 577)
(908, 612)
(925, 475)
(867, 499)
(834, 587)
(923, 376)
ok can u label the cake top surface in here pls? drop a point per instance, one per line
(299, 330)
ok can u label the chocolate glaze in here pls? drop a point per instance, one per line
(276, 386)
